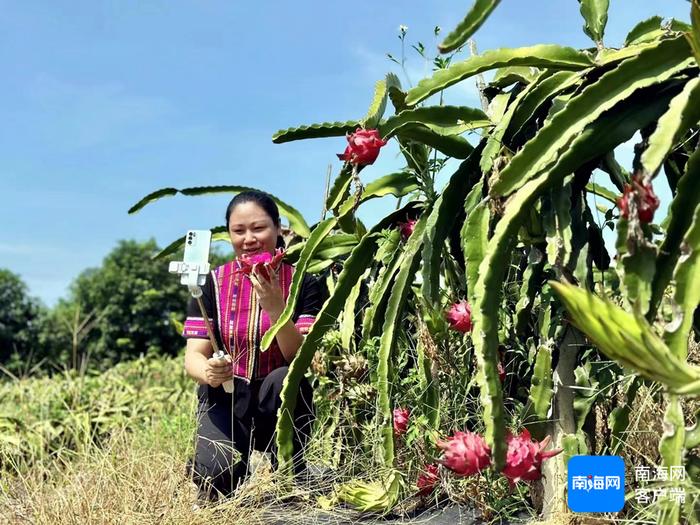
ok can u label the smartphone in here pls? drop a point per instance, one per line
(197, 244)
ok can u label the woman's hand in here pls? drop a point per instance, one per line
(269, 294)
(218, 371)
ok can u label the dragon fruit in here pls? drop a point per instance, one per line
(501, 371)
(640, 195)
(460, 316)
(363, 147)
(427, 480)
(465, 453)
(406, 228)
(264, 264)
(525, 456)
(401, 416)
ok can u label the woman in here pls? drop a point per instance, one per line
(242, 308)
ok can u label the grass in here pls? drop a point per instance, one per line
(126, 435)
(112, 448)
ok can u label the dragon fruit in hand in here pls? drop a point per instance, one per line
(263, 264)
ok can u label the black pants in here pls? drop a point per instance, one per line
(244, 421)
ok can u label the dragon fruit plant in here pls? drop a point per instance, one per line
(524, 210)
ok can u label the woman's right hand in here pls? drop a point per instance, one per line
(218, 371)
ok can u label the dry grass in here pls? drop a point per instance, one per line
(127, 483)
(139, 478)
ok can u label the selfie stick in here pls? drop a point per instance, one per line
(190, 275)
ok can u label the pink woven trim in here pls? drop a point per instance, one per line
(195, 327)
(304, 323)
(226, 297)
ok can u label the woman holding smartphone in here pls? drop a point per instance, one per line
(241, 307)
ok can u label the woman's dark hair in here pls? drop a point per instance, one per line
(263, 200)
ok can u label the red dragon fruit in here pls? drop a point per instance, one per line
(460, 316)
(363, 147)
(501, 371)
(465, 453)
(640, 194)
(525, 456)
(427, 480)
(401, 417)
(406, 228)
(264, 264)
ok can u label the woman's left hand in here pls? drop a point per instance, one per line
(269, 294)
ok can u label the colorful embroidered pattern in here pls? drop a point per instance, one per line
(304, 323)
(195, 327)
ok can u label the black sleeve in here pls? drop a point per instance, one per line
(308, 304)
(194, 324)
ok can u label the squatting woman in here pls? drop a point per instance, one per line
(241, 307)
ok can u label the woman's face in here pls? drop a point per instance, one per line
(251, 230)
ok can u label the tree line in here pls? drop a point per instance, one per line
(127, 307)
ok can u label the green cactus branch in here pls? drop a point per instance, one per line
(687, 290)
(653, 66)
(627, 339)
(544, 56)
(546, 87)
(595, 15)
(441, 219)
(473, 20)
(356, 264)
(645, 30)
(387, 342)
(296, 220)
(683, 113)
(377, 106)
(443, 120)
(679, 219)
(316, 131)
(379, 295)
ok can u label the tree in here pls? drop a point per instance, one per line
(19, 322)
(128, 306)
(64, 331)
(124, 308)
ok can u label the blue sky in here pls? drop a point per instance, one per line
(106, 101)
